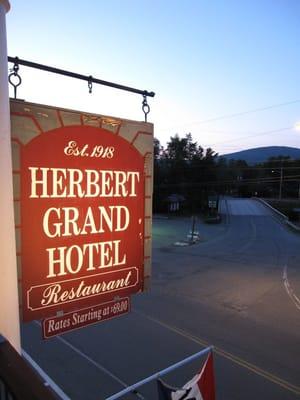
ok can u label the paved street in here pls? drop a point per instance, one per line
(237, 289)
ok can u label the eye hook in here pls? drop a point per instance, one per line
(145, 107)
(14, 78)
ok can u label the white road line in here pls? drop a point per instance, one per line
(236, 360)
(289, 289)
(94, 363)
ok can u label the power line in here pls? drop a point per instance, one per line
(254, 135)
(246, 181)
(200, 165)
(250, 136)
(238, 114)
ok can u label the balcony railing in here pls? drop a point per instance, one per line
(18, 380)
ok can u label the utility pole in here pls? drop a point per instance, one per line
(281, 181)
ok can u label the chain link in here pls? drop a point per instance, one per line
(14, 78)
(90, 84)
(145, 107)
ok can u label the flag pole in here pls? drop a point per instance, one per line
(157, 375)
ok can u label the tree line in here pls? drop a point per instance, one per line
(185, 169)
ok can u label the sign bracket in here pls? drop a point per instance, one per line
(75, 75)
(89, 78)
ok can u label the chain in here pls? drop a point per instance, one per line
(90, 84)
(14, 78)
(145, 107)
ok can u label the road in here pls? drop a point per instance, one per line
(237, 289)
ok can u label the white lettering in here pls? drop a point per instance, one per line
(91, 256)
(73, 182)
(60, 261)
(54, 293)
(35, 182)
(67, 221)
(56, 225)
(58, 175)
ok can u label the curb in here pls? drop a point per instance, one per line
(293, 226)
(279, 214)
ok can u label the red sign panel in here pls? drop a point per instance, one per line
(87, 316)
(82, 220)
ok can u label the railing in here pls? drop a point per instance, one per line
(5, 394)
(132, 388)
(18, 381)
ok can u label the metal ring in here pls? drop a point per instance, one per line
(146, 108)
(15, 85)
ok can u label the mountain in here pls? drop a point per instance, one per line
(262, 154)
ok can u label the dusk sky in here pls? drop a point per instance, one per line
(225, 70)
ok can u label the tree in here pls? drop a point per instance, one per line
(183, 149)
(157, 150)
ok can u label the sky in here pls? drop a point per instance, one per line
(226, 71)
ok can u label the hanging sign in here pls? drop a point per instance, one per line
(84, 207)
(68, 322)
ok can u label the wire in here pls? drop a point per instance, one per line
(238, 114)
(227, 116)
(248, 137)
(254, 135)
(246, 181)
(227, 168)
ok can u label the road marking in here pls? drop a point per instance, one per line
(251, 367)
(289, 289)
(94, 363)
